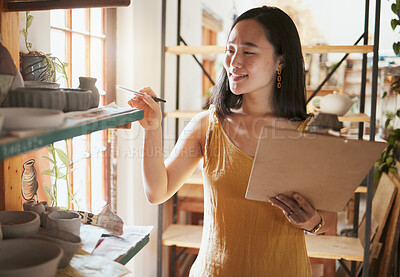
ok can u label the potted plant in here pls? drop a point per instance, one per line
(36, 65)
(58, 173)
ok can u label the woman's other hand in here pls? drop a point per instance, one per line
(152, 111)
(298, 211)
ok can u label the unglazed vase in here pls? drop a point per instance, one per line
(29, 182)
(89, 83)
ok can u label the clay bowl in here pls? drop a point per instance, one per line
(19, 224)
(29, 257)
(66, 240)
(43, 98)
(77, 99)
(65, 221)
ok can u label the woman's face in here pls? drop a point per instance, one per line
(250, 60)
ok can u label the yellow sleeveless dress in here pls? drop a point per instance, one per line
(242, 237)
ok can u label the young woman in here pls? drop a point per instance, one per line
(262, 84)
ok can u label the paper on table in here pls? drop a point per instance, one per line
(113, 247)
(90, 236)
(324, 169)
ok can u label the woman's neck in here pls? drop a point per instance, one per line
(256, 104)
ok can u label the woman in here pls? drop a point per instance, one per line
(262, 84)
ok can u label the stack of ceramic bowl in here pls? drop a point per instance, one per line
(77, 99)
(44, 98)
(20, 256)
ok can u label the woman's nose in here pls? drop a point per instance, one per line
(236, 60)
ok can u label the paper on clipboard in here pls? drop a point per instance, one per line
(326, 170)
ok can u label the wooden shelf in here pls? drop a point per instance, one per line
(345, 118)
(318, 246)
(12, 145)
(36, 5)
(354, 118)
(215, 49)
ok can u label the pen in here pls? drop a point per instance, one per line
(140, 93)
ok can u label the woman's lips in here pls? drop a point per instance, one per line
(238, 77)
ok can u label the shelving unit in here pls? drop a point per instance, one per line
(11, 147)
(327, 247)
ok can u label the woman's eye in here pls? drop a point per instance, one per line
(249, 53)
(229, 51)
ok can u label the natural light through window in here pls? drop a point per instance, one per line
(77, 37)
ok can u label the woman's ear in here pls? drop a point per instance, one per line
(281, 62)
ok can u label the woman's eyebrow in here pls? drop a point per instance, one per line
(245, 43)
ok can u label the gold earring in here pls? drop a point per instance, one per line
(279, 79)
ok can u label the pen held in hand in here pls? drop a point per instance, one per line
(140, 93)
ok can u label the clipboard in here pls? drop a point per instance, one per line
(325, 169)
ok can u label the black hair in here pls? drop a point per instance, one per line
(289, 101)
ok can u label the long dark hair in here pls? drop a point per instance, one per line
(289, 101)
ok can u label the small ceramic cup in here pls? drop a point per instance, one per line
(65, 221)
(66, 240)
(46, 213)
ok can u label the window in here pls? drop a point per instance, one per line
(211, 26)
(78, 37)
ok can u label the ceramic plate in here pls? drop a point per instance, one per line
(30, 118)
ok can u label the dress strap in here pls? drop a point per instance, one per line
(213, 124)
(303, 126)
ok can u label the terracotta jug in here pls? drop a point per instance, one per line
(29, 182)
(88, 83)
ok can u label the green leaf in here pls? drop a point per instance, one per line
(396, 48)
(393, 170)
(63, 157)
(387, 122)
(50, 148)
(48, 172)
(377, 176)
(50, 160)
(29, 20)
(384, 94)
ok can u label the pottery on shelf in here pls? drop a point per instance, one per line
(69, 242)
(29, 257)
(34, 67)
(31, 118)
(19, 224)
(28, 181)
(48, 210)
(40, 84)
(65, 221)
(10, 77)
(77, 99)
(337, 104)
(89, 83)
(44, 98)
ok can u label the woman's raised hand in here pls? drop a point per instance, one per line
(152, 111)
(298, 210)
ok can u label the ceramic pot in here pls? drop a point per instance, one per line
(44, 98)
(29, 182)
(29, 257)
(65, 221)
(34, 68)
(48, 210)
(66, 240)
(333, 104)
(88, 83)
(19, 224)
(77, 99)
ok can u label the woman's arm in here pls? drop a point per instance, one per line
(162, 179)
(301, 214)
